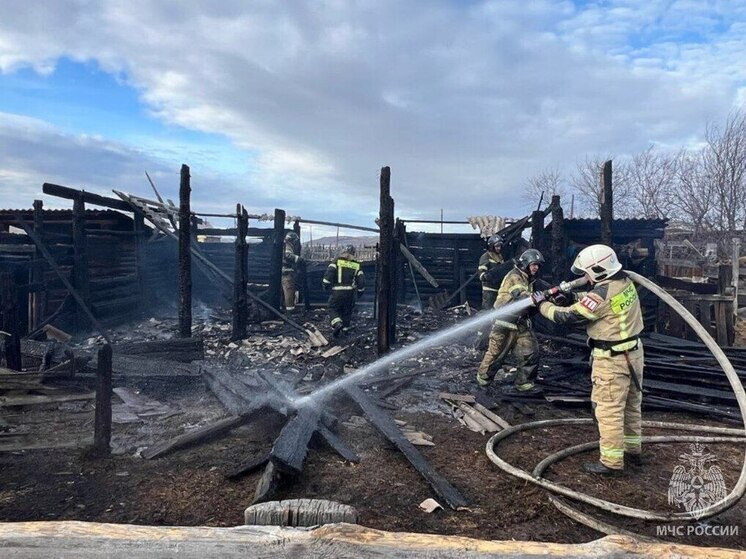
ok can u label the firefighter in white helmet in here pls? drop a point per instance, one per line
(611, 313)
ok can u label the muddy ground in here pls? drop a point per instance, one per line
(190, 487)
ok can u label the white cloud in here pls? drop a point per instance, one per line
(463, 100)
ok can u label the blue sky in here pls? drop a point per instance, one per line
(298, 105)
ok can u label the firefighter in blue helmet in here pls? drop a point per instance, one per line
(345, 278)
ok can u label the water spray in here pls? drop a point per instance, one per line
(471, 325)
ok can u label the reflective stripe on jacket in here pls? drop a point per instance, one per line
(345, 274)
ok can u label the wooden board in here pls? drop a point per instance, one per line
(386, 425)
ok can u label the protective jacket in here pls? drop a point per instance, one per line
(488, 262)
(290, 260)
(610, 312)
(516, 284)
(344, 274)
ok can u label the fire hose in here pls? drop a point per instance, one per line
(731, 436)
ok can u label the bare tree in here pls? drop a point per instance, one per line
(548, 182)
(694, 201)
(652, 180)
(724, 163)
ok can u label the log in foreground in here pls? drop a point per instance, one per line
(72, 539)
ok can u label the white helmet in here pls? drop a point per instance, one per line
(598, 261)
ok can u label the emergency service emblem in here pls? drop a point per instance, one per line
(697, 485)
(589, 303)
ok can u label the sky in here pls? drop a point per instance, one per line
(297, 105)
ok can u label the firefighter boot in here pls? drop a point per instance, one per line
(635, 460)
(600, 469)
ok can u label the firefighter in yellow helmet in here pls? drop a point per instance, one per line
(513, 333)
(346, 280)
(611, 313)
(290, 264)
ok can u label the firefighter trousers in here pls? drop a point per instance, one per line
(288, 290)
(617, 405)
(525, 348)
(488, 302)
(341, 304)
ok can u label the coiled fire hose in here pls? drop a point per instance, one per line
(732, 436)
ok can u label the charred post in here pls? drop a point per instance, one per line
(400, 237)
(185, 255)
(274, 293)
(385, 268)
(607, 205)
(102, 427)
(80, 258)
(302, 272)
(537, 230)
(138, 227)
(39, 297)
(559, 248)
(240, 274)
(10, 323)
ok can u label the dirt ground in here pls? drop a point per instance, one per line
(190, 487)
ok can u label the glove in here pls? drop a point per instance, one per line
(326, 286)
(538, 297)
(360, 293)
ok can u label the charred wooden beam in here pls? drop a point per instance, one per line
(248, 466)
(291, 447)
(267, 484)
(88, 197)
(388, 427)
(240, 277)
(140, 247)
(537, 231)
(185, 256)
(302, 277)
(385, 265)
(80, 257)
(102, 424)
(337, 444)
(559, 242)
(39, 298)
(10, 323)
(607, 204)
(183, 350)
(274, 293)
(197, 436)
